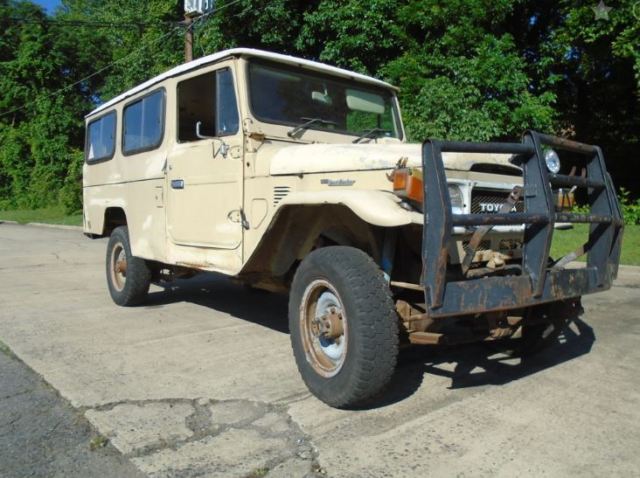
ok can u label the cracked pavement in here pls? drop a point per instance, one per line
(201, 382)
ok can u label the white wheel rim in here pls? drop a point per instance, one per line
(326, 355)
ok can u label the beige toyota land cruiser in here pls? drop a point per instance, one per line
(294, 176)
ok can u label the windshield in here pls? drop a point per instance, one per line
(292, 97)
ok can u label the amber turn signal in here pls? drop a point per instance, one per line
(407, 183)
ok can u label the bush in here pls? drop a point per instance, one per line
(630, 208)
(70, 196)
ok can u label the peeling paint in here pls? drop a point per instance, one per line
(322, 158)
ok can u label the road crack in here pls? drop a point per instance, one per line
(152, 432)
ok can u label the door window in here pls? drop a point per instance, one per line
(210, 100)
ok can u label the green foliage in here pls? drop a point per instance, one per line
(71, 192)
(630, 208)
(467, 69)
(39, 129)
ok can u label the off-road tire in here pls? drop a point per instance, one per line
(135, 286)
(372, 339)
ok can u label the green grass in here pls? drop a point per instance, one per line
(50, 215)
(569, 240)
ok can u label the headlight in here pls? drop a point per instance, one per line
(457, 200)
(553, 161)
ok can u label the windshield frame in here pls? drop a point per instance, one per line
(388, 93)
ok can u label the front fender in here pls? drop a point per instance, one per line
(378, 208)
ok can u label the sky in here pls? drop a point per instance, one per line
(50, 5)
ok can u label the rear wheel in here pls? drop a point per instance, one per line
(128, 277)
(344, 329)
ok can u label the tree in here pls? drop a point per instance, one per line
(467, 69)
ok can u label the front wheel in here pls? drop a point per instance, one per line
(344, 328)
(128, 277)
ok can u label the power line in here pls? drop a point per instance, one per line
(92, 24)
(110, 65)
(120, 60)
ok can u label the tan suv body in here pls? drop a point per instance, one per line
(267, 167)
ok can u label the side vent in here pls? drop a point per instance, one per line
(279, 193)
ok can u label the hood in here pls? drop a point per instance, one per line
(323, 158)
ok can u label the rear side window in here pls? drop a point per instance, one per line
(143, 123)
(101, 138)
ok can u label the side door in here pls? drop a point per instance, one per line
(205, 168)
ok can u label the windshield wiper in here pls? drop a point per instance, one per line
(370, 133)
(308, 123)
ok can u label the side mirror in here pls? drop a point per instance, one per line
(200, 135)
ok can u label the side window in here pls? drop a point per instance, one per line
(210, 100)
(143, 123)
(227, 120)
(196, 103)
(101, 138)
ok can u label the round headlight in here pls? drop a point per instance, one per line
(553, 161)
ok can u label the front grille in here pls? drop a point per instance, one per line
(489, 201)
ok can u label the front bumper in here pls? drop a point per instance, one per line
(540, 281)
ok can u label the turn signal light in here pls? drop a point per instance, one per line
(407, 183)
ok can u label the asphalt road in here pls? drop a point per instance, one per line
(42, 435)
(201, 382)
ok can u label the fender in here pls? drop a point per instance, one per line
(378, 208)
(95, 206)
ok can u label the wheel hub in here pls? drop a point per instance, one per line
(328, 325)
(121, 266)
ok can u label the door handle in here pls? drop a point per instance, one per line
(177, 183)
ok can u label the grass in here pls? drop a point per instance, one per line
(4, 348)
(569, 240)
(97, 442)
(50, 215)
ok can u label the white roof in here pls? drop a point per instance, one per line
(291, 60)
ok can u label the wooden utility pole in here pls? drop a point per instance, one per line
(188, 39)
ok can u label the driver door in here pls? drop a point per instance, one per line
(205, 169)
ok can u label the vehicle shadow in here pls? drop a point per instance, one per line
(217, 292)
(468, 365)
(482, 364)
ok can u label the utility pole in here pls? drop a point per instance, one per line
(193, 9)
(188, 39)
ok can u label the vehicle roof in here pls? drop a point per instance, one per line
(287, 59)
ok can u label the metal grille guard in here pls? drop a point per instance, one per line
(539, 281)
